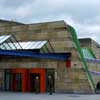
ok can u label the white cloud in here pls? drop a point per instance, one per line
(83, 15)
(79, 9)
(23, 12)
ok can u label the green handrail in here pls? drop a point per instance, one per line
(88, 53)
(77, 44)
(91, 51)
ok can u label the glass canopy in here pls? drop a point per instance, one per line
(9, 42)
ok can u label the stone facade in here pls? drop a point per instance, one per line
(66, 80)
(95, 47)
(90, 43)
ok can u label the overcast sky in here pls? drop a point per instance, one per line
(84, 15)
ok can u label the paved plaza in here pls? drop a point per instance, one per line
(31, 96)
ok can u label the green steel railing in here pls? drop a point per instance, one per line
(91, 51)
(88, 53)
(77, 44)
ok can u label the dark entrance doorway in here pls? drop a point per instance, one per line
(50, 80)
(19, 79)
(7, 80)
(98, 87)
(35, 82)
(41, 74)
(17, 82)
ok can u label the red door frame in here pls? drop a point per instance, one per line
(24, 73)
(42, 73)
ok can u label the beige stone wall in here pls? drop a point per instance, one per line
(95, 48)
(66, 80)
(85, 42)
(93, 66)
(72, 80)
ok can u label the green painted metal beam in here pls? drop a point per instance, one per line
(77, 45)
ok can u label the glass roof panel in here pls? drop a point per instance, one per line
(4, 38)
(26, 45)
(8, 42)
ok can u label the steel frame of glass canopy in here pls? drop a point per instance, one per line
(6, 39)
(7, 50)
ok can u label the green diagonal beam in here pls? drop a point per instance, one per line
(77, 44)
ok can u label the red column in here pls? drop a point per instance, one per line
(43, 81)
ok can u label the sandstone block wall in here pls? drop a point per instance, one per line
(72, 80)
